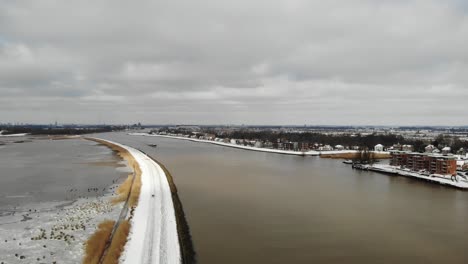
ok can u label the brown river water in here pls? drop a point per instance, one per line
(254, 207)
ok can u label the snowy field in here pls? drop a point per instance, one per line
(52, 232)
(153, 234)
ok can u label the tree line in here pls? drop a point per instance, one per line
(348, 140)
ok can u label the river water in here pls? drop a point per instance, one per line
(254, 207)
(42, 170)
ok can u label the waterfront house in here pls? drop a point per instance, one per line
(326, 148)
(339, 147)
(379, 147)
(258, 144)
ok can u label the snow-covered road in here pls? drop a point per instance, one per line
(153, 237)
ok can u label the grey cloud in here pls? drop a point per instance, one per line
(212, 61)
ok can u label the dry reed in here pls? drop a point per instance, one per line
(123, 190)
(118, 243)
(96, 244)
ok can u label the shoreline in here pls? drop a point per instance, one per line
(330, 153)
(436, 179)
(276, 151)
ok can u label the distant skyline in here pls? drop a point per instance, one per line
(253, 62)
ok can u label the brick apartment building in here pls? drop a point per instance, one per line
(432, 163)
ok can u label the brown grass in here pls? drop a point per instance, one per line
(118, 243)
(123, 190)
(354, 155)
(97, 242)
(136, 187)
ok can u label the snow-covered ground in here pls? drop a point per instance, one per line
(52, 232)
(15, 135)
(440, 179)
(278, 151)
(153, 235)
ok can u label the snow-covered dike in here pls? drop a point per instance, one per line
(153, 235)
(278, 151)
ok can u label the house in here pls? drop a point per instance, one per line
(378, 147)
(325, 148)
(258, 144)
(429, 148)
(339, 147)
(446, 150)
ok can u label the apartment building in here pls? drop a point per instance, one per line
(431, 163)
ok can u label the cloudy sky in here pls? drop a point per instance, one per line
(399, 62)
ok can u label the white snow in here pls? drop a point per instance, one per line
(52, 231)
(153, 235)
(14, 135)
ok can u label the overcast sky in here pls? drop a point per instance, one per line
(399, 62)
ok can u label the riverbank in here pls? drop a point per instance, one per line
(456, 182)
(277, 151)
(153, 236)
(333, 154)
